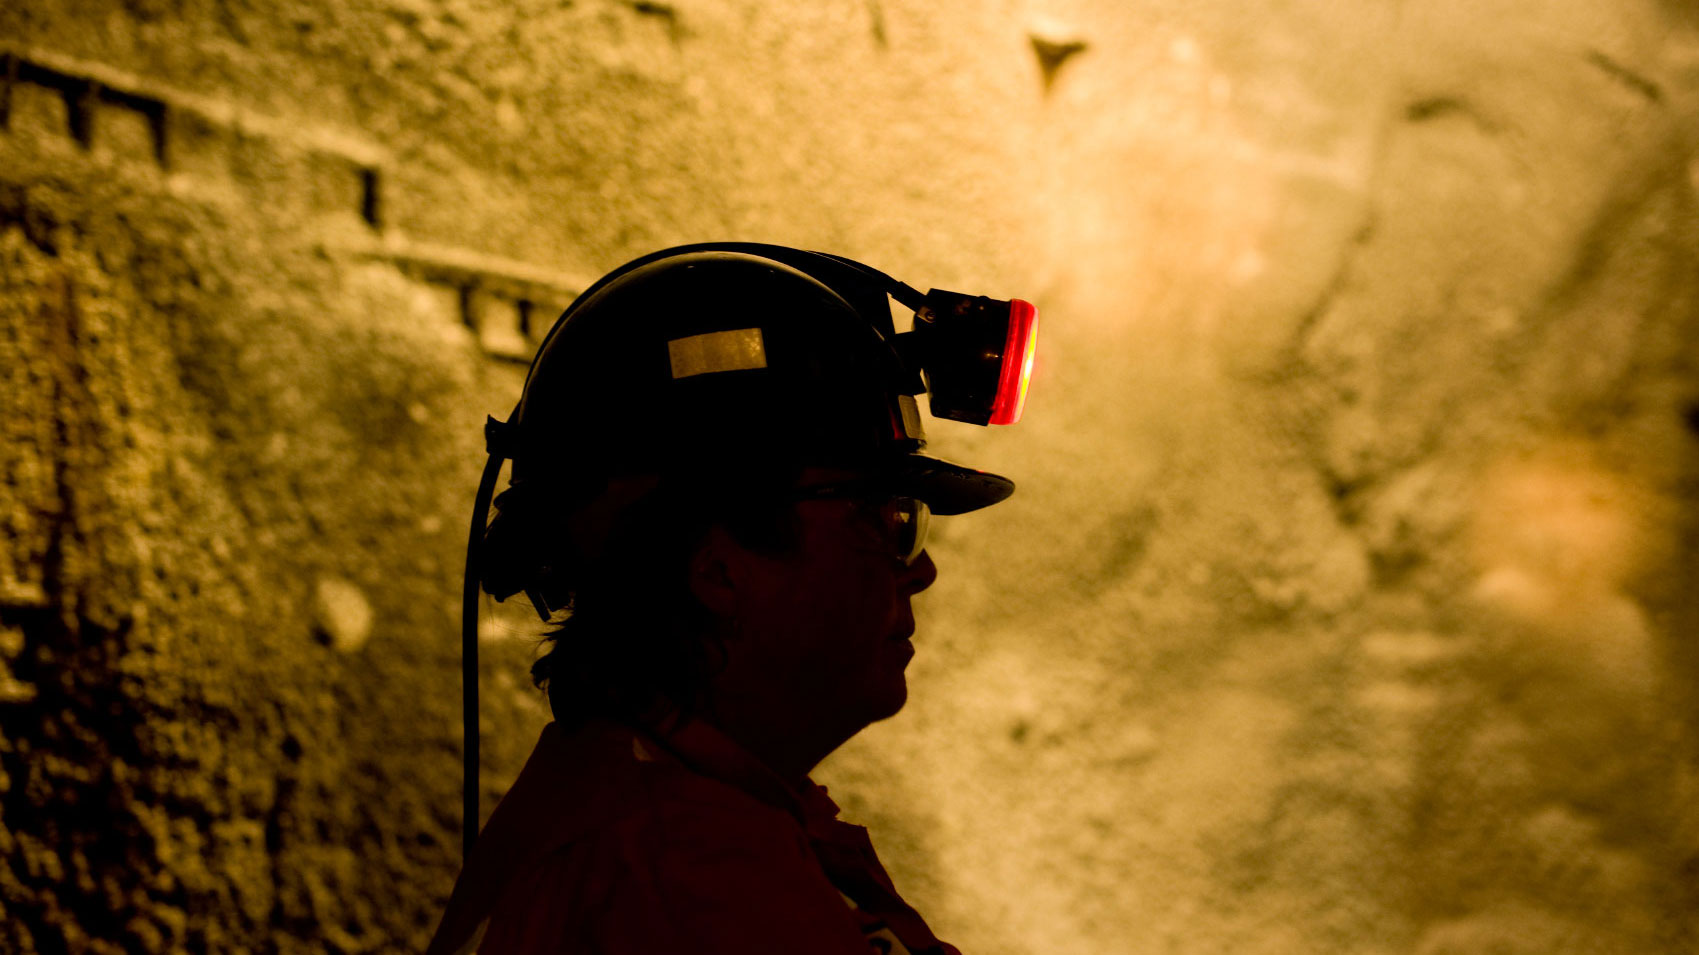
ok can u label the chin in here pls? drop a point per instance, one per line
(890, 703)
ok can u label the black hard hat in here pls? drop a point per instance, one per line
(706, 362)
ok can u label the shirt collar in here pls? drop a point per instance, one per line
(706, 749)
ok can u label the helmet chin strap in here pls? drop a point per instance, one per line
(496, 434)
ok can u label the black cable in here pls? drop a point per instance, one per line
(469, 646)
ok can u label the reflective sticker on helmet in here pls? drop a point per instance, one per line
(912, 428)
(737, 350)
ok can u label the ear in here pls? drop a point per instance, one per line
(713, 573)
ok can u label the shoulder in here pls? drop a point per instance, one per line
(677, 861)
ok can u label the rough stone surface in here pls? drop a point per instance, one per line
(1347, 604)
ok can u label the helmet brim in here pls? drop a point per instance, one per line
(947, 488)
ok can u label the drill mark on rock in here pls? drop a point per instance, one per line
(151, 109)
(664, 12)
(527, 319)
(468, 306)
(83, 102)
(9, 79)
(876, 13)
(1627, 76)
(1431, 108)
(1690, 417)
(371, 208)
(1053, 53)
(1423, 110)
(81, 95)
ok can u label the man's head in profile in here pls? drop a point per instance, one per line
(718, 478)
(719, 498)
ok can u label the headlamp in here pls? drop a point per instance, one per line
(976, 354)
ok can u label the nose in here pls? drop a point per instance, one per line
(919, 575)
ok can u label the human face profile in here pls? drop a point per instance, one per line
(821, 635)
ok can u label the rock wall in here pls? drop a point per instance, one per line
(1348, 603)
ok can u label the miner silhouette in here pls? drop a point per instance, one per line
(719, 497)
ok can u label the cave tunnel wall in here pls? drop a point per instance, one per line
(1348, 603)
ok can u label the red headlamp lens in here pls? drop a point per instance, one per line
(1018, 352)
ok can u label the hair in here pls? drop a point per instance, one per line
(630, 636)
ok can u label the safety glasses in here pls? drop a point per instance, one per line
(899, 518)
